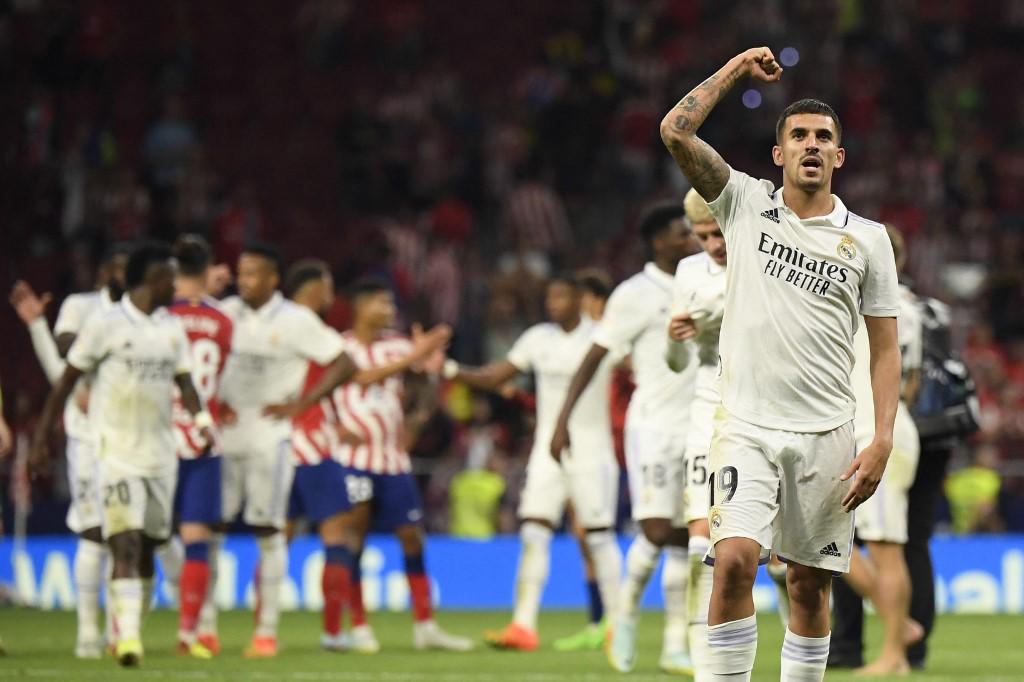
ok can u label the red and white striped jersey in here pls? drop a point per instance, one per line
(209, 336)
(315, 431)
(375, 413)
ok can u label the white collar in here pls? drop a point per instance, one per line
(268, 308)
(659, 276)
(837, 218)
(132, 311)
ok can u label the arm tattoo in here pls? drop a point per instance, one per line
(702, 165)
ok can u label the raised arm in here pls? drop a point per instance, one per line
(700, 163)
(869, 465)
(580, 380)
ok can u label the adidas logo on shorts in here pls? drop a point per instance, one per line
(771, 214)
(830, 550)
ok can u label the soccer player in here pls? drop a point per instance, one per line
(803, 269)
(587, 474)
(378, 475)
(274, 341)
(656, 426)
(595, 287)
(139, 353)
(881, 522)
(191, 564)
(698, 304)
(84, 516)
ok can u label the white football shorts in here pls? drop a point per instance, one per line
(654, 462)
(588, 475)
(883, 516)
(86, 510)
(782, 489)
(257, 484)
(134, 502)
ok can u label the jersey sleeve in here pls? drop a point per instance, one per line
(727, 206)
(314, 340)
(90, 347)
(523, 350)
(623, 321)
(70, 318)
(879, 291)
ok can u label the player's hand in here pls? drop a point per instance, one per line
(559, 441)
(27, 303)
(228, 416)
(682, 327)
(866, 470)
(283, 410)
(761, 65)
(6, 440)
(425, 344)
(208, 436)
(39, 455)
(434, 363)
(218, 277)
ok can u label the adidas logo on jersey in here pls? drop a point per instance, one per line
(771, 214)
(830, 550)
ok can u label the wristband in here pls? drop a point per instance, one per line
(450, 369)
(202, 420)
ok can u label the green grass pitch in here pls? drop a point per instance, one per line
(964, 648)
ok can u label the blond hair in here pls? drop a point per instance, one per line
(696, 208)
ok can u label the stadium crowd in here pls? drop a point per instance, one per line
(467, 176)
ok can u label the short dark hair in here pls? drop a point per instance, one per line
(564, 277)
(267, 251)
(193, 255)
(112, 251)
(302, 272)
(367, 286)
(807, 106)
(596, 282)
(657, 217)
(143, 255)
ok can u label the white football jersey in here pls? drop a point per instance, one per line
(554, 355)
(795, 292)
(910, 331)
(700, 291)
(270, 353)
(636, 321)
(74, 312)
(135, 358)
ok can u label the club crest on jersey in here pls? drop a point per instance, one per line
(846, 249)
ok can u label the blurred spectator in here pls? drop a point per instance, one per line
(973, 494)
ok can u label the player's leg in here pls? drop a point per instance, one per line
(815, 537)
(655, 464)
(268, 482)
(319, 493)
(124, 498)
(397, 506)
(363, 639)
(85, 518)
(541, 507)
(698, 600)
(592, 476)
(743, 489)
(592, 636)
(233, 481)
(199, 507)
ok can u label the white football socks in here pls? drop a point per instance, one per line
(641, 560)
(698, 602)
(675, 579)
(534, 564)
(604, 548)
(273, 565)
(804, 658)
(127, 597)
(172, 558)
(88, 570)
(208, 614)
(733, 646)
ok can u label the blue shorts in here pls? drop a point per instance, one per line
(198, 495)
(394, 498)
(318, 491)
